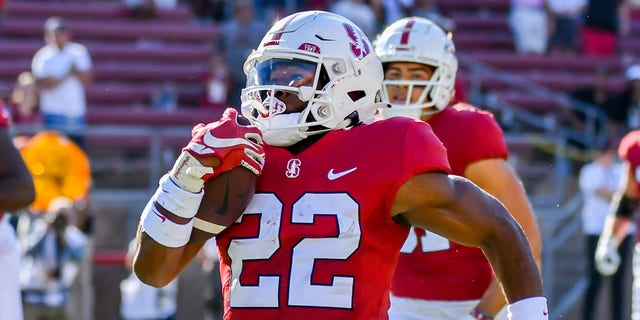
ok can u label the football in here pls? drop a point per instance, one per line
(225, 198)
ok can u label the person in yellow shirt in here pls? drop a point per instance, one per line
(59, 168)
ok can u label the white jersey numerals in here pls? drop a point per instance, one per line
(301, 292)
(429, 242)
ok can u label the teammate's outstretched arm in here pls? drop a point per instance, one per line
(619, 219)
(457, 209)
(16, 184)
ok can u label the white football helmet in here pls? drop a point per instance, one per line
(419, 40)
(337, 75)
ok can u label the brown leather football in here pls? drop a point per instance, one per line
(225, 198)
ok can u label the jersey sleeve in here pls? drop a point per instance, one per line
(423, 151)
(629, 148)
(483, 128)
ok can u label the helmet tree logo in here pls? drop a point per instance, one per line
(359, 46)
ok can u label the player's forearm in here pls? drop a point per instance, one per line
(157, 265)
(493, 299)
(511, 259)
(621, 228)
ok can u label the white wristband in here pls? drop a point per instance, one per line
(180, 202)
(162, 230)
(534, 308)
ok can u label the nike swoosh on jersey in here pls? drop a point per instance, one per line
(335, 175)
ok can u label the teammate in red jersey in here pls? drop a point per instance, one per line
(16, 192)
(622, 212)
(437, 278)
(336, 195)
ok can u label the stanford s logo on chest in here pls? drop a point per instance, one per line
(293, 168)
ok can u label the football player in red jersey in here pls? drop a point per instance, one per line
(16, 192)
(337, 191)
(437, 278)
(622, 212)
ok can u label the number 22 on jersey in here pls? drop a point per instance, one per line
(301, 291)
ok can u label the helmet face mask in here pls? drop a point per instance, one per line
(417, 40)
(316, 65)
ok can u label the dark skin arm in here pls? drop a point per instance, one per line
(16, 185)
(456, 208)
(155, 264)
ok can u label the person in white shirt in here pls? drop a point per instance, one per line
(143, 302)
(62, 69)
(598, 181)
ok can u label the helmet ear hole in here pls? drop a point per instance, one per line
(323, 78)
(356, 95)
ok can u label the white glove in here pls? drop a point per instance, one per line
(468, 317)
(607, 258)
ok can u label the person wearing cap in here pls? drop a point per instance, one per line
(598, 180)
(62, 69)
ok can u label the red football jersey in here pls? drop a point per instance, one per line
(629, 150)
(431, 267)
(4, 117)
(317, 240)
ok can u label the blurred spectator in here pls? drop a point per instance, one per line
(141, 9)
(207, 11)
(359, 12)
(599, 95)
(389, 11)
(566, 15)
(62, 70)
(59, 169)
(217, 82)
(238, 37)
(528, 22)
(23, 103)
(54, 249)
(317, 5)
(165, 97)
(4, 10)
(139, 301)
(598, 181)
(626, 115)
(604, 21)
(429, 9)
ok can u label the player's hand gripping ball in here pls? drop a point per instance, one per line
(224, 157)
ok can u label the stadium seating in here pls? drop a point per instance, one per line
(132, 58)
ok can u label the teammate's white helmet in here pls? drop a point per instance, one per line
(347, 76)
(419, 40)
